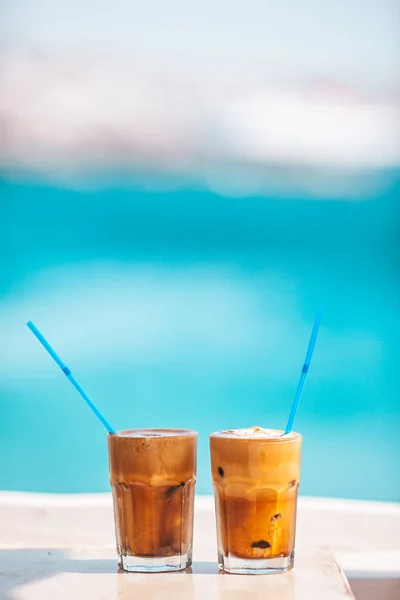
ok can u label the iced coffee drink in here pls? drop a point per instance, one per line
(256, 475)
(153, 476)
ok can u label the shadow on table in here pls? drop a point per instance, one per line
(22, 566)
(382, 588)
(19, 567)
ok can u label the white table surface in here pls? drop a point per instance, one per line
(63, 549)
(91, 574)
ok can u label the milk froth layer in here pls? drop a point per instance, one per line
(153, 455)
(256, 433)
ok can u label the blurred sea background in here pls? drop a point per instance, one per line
(181, 189)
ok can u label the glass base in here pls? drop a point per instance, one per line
(256, 566)
(156, 564)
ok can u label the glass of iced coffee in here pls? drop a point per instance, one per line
(256, 475)
(153, 476)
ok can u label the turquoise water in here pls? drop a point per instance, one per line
(186, 309)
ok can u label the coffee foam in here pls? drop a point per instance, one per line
(154, 433)
(255, 432)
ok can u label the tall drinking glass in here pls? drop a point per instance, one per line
(256, 475)
(153, 476)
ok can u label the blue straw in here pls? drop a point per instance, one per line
(68, 373)
(304, 372)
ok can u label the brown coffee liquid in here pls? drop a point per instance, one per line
(255, 483)
(153, 476)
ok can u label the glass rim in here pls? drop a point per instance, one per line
(229, 434)
(163, 431)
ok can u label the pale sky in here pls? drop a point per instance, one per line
(356, 40)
